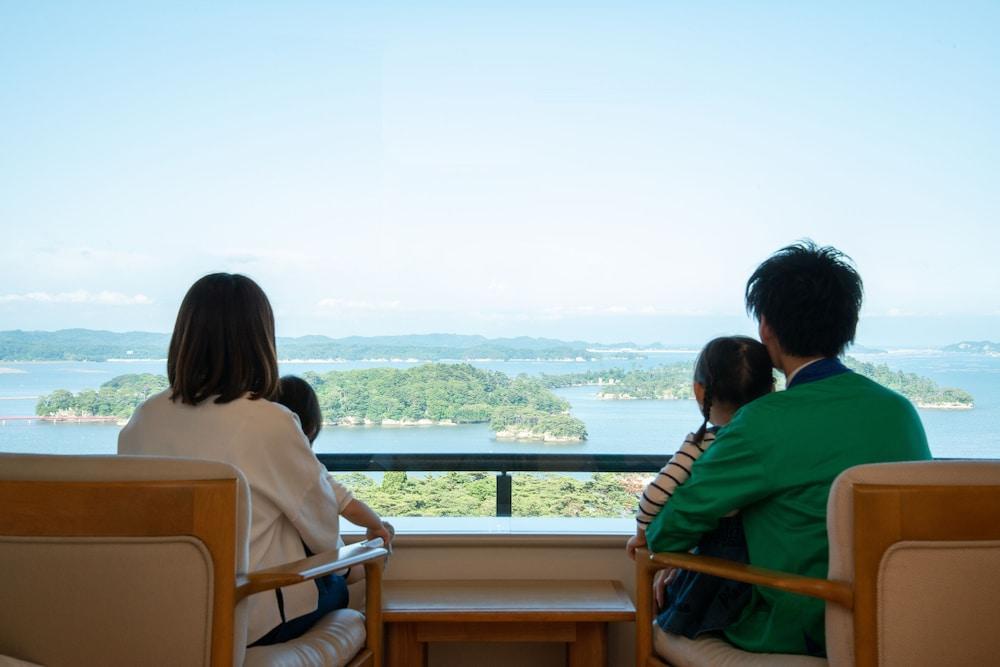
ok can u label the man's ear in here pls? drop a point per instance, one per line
(765, 332)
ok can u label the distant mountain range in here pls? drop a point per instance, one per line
(94, 345)
(91, 345)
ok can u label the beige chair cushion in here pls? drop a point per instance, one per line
(333, 641)
(840, 511)
(680, 651)
(106, 601)
(946, 577)
(7, 661)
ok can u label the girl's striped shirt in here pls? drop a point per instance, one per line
(676, 472)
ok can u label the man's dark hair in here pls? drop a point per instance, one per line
(298, 396)
(810, 296)
(223, 342)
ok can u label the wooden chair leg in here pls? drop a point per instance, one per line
(643, 608)
(373, 611)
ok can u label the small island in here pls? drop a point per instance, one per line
(986, 347)
(113, 401)
(446, 394)
(428, 395)
(673, 382)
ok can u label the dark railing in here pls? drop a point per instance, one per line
(501, 463)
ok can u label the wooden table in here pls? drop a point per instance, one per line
(574, 612)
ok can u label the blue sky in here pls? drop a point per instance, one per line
(578, 170)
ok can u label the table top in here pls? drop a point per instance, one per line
(505, 600)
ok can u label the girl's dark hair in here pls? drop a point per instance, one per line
(298, 396)
(223, 342)
(734, 370)
(810, 297)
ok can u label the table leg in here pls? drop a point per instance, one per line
(591, 646)
(402, 647)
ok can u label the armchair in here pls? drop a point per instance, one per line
(117, 560)
(914, 552)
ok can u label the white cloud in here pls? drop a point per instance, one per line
(103, 298)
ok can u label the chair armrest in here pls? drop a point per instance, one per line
(305, 569)
(838, 592)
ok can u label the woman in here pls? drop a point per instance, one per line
(223, 371)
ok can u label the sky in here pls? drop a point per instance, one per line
(598, 171)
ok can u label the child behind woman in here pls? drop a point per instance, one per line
(730, 372)
(298, 396)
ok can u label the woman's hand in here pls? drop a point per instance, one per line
(637, 541)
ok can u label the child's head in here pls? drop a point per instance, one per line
(299, 397)
(730, 372)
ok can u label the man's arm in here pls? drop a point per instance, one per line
(730, 475)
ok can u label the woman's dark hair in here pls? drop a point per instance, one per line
(810, 297)
(223, 342)
(298, 396)
(734, 370)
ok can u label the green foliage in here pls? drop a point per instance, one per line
(117, 397)
(474, 494)
(919, 389)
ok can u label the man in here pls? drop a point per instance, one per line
(777, 458)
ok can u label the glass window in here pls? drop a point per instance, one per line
(491, 232)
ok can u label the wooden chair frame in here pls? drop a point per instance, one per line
(203, 509)
(883, 516)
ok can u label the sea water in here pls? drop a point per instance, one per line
(639, 427)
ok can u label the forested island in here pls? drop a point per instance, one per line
(116, 399)
(518, 408)
(975, 347)
(673, 381)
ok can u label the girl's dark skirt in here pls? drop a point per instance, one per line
(697, 603)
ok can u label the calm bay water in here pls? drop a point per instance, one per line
(647, 427)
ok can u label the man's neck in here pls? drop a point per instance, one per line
(789, 365)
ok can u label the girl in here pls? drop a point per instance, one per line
(729, 373)
(221, 364)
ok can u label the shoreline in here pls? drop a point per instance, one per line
(529, 436)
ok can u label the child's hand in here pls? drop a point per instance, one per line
(661, 580)
(637, 541)
(384, 530)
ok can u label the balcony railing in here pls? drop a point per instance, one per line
(502, 464)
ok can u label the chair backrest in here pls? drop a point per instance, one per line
(920, 543)
(114, 560)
